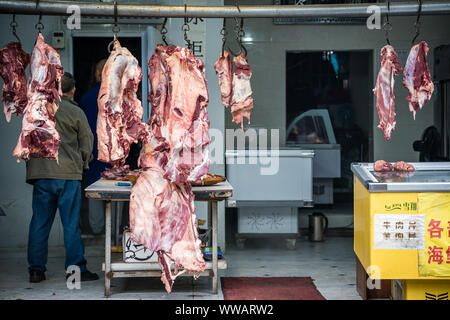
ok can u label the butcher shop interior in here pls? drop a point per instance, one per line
(212, 150)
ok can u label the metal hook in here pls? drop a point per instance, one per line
(417, 23)
(387, 26)
(39, 26)
(185, 27)
(13, 25)
(239, 30)
(164, 32)
(224, 33)
(116, 28)
(112, 42)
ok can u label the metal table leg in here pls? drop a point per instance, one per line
(107, 248)
(116, 231)
(214, 247)
(209, 243)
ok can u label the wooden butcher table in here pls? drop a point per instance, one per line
(109, 190)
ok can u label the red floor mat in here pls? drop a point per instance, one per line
(269, 288)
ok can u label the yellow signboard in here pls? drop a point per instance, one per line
(434, 260)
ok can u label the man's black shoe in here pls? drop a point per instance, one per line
(86, 276)
(36, 276)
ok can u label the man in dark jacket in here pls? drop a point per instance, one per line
(58, 186)
(89, 105)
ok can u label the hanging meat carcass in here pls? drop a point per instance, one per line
(224, 69)
(39, 138)
(120, 112)
(178, 120)
(241, 100)
(384, 90)
(417, 78)
(162, 212)
(162, 218)
(13, 62)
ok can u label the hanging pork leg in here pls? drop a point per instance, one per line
(241, 100)
(224, 70)
(417, 78)
(384, 90)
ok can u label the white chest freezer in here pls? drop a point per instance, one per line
(269, 187)
(267, 177)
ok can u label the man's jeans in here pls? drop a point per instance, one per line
(49, 195)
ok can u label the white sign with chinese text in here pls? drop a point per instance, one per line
(399, 231)
(197, 33)
(197, 37)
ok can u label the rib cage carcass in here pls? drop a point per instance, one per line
(39, 138)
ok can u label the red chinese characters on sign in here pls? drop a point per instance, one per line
(448, 254)
(434, 230)
(448, 228)
(435, 255)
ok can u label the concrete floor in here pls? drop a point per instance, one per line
(331, 264)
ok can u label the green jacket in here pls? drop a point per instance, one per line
(75, 149)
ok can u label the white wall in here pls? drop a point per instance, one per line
(15, 194)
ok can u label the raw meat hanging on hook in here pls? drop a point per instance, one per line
(224, 70)
(235, 85)
(39, 138)
(13, 62)
(162, 219)
(384, 90)
(162, 211)
(417, 78)
(241, 100)
(120, 112)
(179, 119)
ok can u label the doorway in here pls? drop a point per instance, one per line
(87, 51)
(339, 82)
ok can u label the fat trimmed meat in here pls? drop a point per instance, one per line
(119, 122)
(417, 78)
(39, 138)
(13, 62)
(241, 100)
(384, 90)
(224, 70)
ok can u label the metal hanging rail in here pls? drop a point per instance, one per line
(272, 11)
